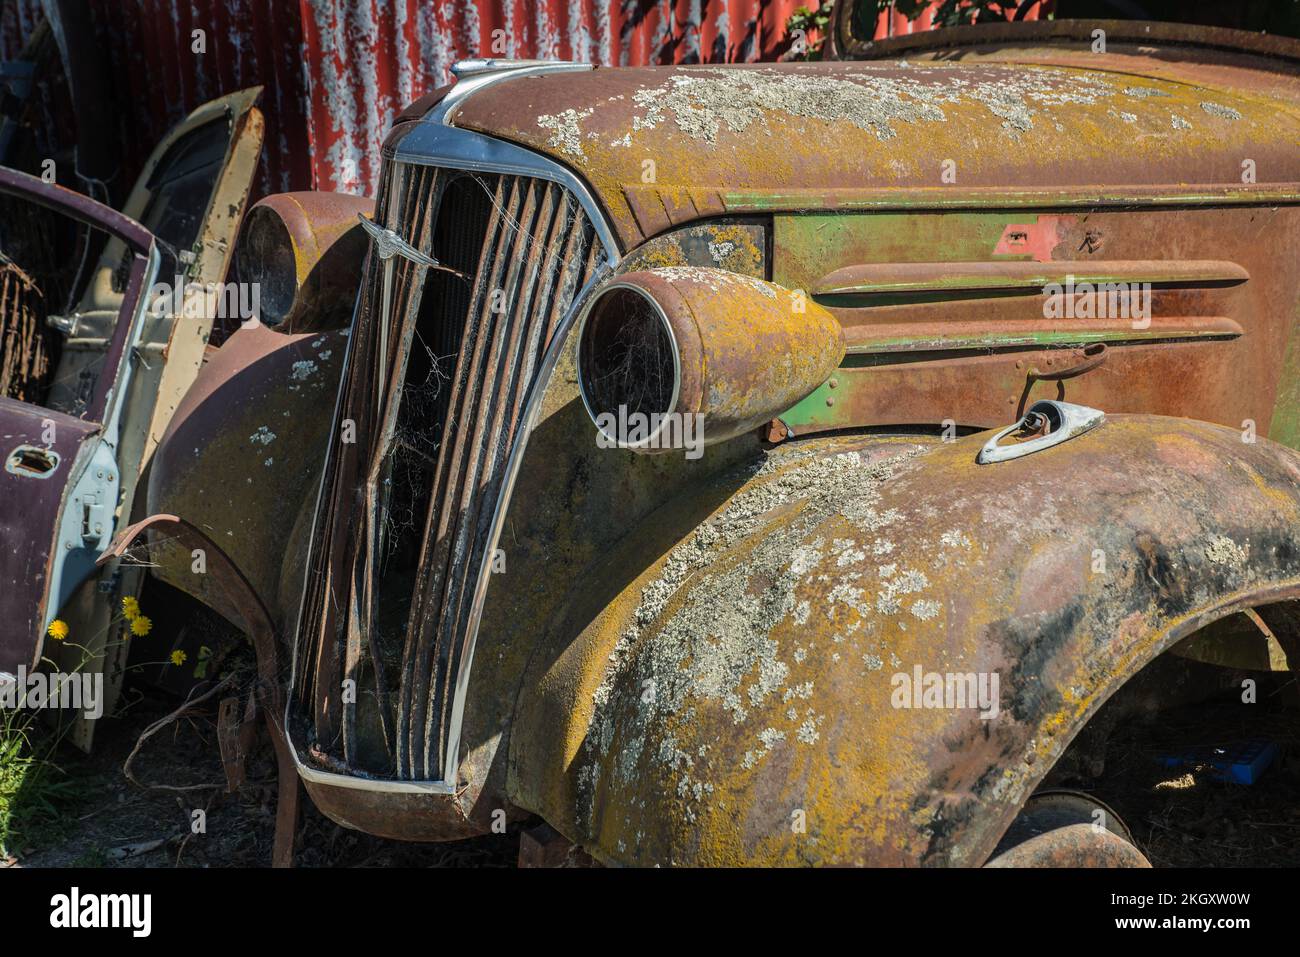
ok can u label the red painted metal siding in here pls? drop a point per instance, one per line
(335, 72)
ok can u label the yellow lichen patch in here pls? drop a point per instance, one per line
(734, 246)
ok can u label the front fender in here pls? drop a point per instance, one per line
(241, 460)
(738, 701)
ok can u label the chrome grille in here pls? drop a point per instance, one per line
(441, 365)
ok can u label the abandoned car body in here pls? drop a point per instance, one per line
(467, 605)
(122, 343)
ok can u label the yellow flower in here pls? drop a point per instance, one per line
(141, 626)
(178, 657)
(58, 629)
(130, 607)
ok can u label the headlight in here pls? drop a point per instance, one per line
(265, 257)
(305, 253)
(735, 350)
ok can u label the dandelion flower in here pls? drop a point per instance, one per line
(141, 626)
(58, 629)
(131, 607)
(178, 657)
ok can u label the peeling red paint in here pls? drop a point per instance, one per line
(1036, 240)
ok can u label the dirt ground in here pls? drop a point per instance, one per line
(1178, 817)
(100, 819)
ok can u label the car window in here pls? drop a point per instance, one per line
(39, 254)
(181, 187)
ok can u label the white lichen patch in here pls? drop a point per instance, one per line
(804, 690)
(845, 593)
(1224, 551)
(719, 252)
(704, 102)
(807, 732)
(263, 435)
(804, 559)
(926, 608)
(769, 738)
(302, 370)
(908, 582)
(1178, 122)
(801, 612)
(1221, 111)
(715, 280)
(850, 556)
(1142, 92)
(954, 538)
(566, 130)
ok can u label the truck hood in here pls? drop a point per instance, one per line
(664, 145)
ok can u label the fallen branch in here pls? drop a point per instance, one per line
(162, 723)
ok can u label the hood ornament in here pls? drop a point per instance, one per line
(388, 244)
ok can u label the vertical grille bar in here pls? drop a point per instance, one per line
(322, 597)
(398, 330)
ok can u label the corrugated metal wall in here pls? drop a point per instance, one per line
(335, 72)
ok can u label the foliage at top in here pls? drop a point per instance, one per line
(954, 13)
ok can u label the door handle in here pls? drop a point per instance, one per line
(1093, 355)
(32, 461)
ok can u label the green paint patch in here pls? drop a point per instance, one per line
(1285, 425)
(808, 247)
(812, 411)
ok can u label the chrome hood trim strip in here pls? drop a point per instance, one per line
(474, 75)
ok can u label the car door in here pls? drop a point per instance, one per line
(59, 482)
(189, 198)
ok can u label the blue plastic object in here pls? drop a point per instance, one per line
(1241, 762)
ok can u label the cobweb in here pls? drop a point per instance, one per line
(414, 456)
